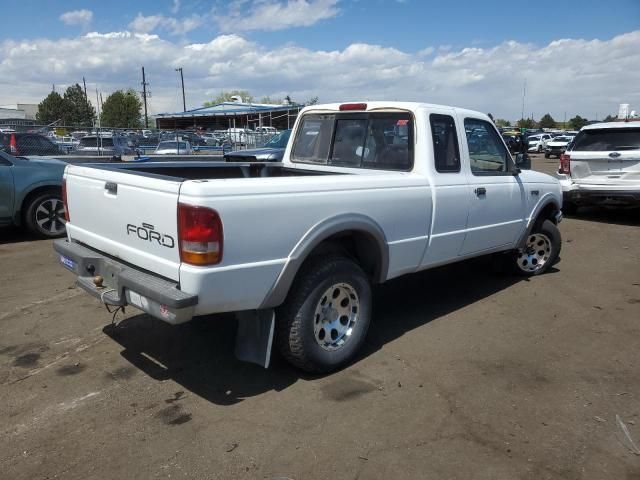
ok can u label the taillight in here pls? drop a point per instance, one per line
(353, 106)
(64, 200)
(565, 164)
(200, 235)
(13, 145)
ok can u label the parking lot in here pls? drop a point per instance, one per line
(466, 374)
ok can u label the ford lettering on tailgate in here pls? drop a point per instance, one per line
(147, 232)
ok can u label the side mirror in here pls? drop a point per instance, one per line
(523, 161)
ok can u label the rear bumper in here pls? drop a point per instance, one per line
(124, 285)
(598, 194)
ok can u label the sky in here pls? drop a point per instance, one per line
(576, 57)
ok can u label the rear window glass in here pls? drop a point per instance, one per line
(95, 142)
(607, 139)
(364, 140)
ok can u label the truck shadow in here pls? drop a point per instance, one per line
(199, 355)
(613, 216)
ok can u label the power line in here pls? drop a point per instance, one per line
(144, 98)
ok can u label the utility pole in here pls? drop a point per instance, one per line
(524, 92)
(100, 99)
(144, 98)
(184, 103)
(84, 82)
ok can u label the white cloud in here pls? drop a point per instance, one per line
(577, 76)
(77, 17)
(150, 23)
(175, 8)
(273, 15)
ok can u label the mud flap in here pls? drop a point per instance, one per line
(255, 336)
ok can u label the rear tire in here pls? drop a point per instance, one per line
(541, 251)
(546, 155)
(325, 318)
(44, 215)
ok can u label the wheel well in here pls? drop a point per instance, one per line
(360, 246)
(547, 213)
(32, 195)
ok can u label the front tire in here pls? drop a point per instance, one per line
(324, 321)
(541, 251)
(546, 155)
(44, 215)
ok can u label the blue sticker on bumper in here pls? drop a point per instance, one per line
(67, 262)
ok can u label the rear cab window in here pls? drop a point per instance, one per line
(607, 139)
(446, 152)
(375, 140)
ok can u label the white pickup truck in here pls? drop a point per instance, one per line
(365, 193)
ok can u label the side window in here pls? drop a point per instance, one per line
(348, 145)
(487, 154)
(445, 143)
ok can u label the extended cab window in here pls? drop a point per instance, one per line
(487, 153)
(445, 143)
(363, 140)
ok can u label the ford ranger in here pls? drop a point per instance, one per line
(366, 192)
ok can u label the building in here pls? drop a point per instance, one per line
(14, 117)
(29, 110)
(231, 115)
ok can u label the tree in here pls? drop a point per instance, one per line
(501, 122)
(610, 118)
(312, 101)
(226, 97)
(122, 110)
(272, 101)
(526, 123)
(547, 121)
(577, 122)
(80, 111)
(52, 108)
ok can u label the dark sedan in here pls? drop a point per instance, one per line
(273, 150)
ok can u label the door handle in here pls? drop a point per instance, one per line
(480, 191)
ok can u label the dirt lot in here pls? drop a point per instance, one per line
(466, 375)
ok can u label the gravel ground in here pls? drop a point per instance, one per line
(465, 374)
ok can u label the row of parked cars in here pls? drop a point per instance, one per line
(550, 143)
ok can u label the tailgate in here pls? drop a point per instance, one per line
(126, 215)
(608, 155)
(606, 168)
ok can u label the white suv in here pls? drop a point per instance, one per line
(537, 143)
(602, 166)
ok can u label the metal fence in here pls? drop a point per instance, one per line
(119, 142)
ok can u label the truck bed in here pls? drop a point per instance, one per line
(181, 171)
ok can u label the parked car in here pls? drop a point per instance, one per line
(31, 194)
(266, 130)
(513, 143)
(238, 136)
(537, 143)
(601, 166)
(365, 193)
(172, 147)
(557, 145)
(23, 144)
(105, 146)
(273, 150)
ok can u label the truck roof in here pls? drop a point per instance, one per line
(379, 105)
